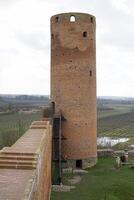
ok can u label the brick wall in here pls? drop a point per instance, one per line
(25, 168)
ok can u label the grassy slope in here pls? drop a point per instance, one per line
(12, 126)
(118, 122)
(121, 125)
(103, 182)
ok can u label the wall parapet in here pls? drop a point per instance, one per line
(25, 167)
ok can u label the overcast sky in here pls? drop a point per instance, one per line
(25, 44)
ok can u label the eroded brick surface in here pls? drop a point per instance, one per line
(73, 82)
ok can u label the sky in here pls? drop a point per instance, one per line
(25, 44)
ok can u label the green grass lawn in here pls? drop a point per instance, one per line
(103, 182)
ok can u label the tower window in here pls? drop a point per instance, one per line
(72, 19)
(53, 106)
(84, 34)
(91, 19)
(90, 73)
(52, 36)
(57, 19)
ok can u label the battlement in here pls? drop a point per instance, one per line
(73, 17)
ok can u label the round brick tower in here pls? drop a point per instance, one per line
(73, 84)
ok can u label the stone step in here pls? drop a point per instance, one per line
(18, 153)
(18, 162)
(38, 126)
(40, 123)
(13, 166)
(17, 157)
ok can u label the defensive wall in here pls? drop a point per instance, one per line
(25, 167)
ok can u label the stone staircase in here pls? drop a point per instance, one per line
(15, 160)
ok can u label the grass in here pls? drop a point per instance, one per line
(12, 126)
(103, 182)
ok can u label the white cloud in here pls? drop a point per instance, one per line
(7, 3)
(124, 6)
(115, 72)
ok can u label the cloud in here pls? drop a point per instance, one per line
(25, 44)
(115, 72)
(7, 3)
(33, 40)
(25, 77)
(115, 27)
(125, 6)
(120, 34)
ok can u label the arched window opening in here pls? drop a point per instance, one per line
(52, 36)
(53, 106)
(72, 19)
(91, 19)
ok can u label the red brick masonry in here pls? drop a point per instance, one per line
(25, 168)
(73, 83)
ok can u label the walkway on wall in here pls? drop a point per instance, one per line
(25, 168)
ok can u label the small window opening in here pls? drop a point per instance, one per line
(84, 34)
(90, 73)
(53, 106)
(78, 163)
(72, 19)
(52, 36)
(91, 19)
(57, 19)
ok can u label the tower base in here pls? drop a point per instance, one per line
(81, 163)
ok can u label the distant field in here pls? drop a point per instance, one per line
(16, 114)
(115, 117)
(117, 122)
(114, 109)
(121, 125)
(12, 126)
